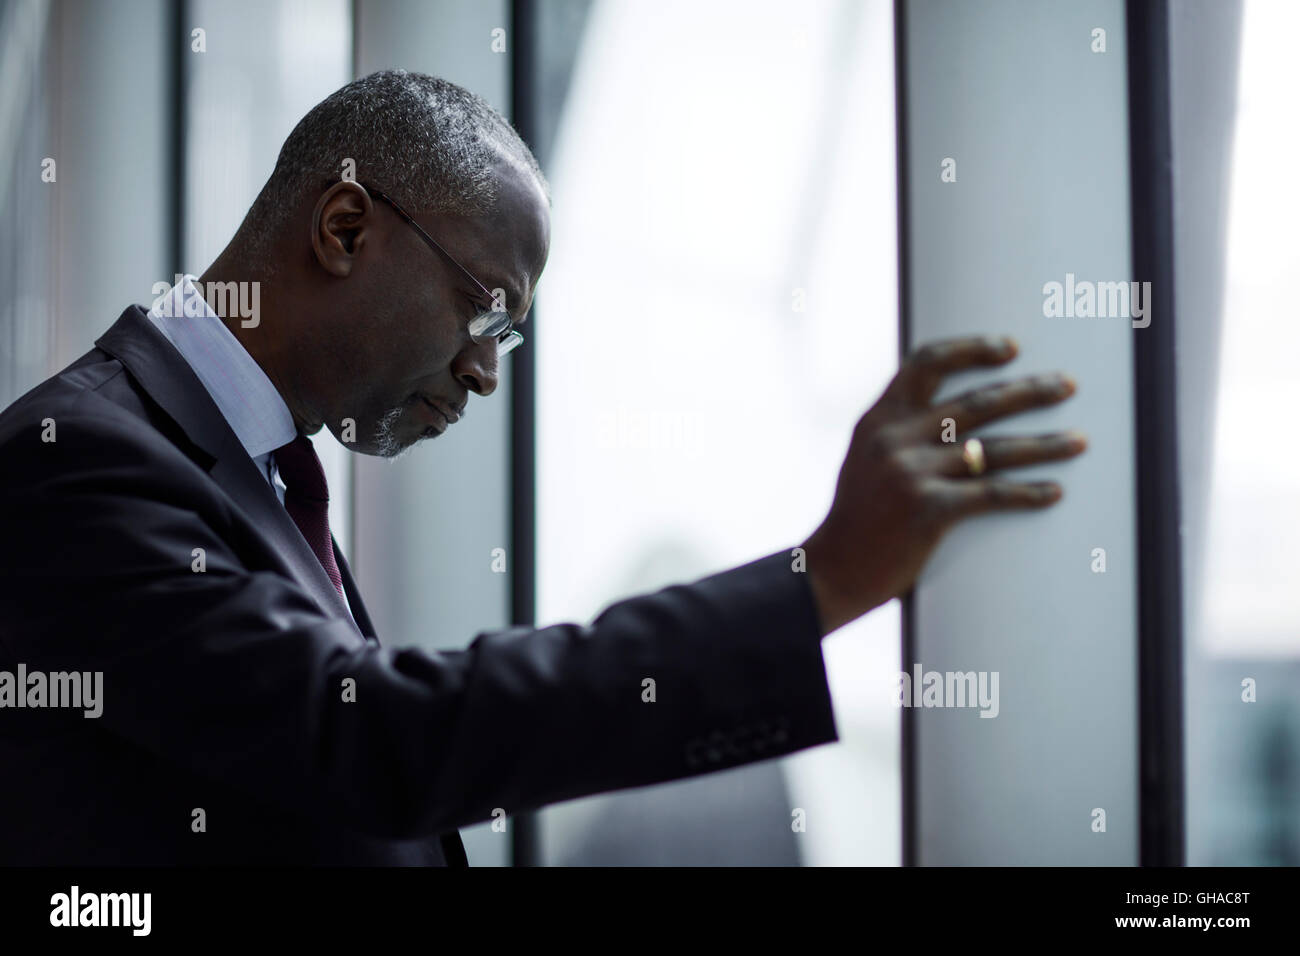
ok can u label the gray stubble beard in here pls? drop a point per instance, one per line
(386, 442)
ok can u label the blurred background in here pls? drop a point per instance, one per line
(721, 304)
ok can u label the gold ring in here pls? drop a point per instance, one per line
(973, 454)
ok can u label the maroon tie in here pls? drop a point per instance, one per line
(307, 500)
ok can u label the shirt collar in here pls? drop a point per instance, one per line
(245, 396)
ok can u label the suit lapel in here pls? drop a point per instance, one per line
(359, 612)
(168, 379)
(238, 475)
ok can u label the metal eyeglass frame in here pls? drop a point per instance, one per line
(484, 325)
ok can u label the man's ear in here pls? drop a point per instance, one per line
(343, 216)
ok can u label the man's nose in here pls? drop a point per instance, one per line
(476, 367)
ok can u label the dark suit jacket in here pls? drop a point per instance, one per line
(223, 688)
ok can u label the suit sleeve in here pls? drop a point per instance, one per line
(236, 674)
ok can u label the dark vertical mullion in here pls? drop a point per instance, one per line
(1159, 572)
(907, 745)
(178, 15)
(525, 834)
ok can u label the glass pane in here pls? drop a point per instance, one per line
(719, 307)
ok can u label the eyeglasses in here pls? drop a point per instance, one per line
(493, 324)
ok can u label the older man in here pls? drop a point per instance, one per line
(166, 531)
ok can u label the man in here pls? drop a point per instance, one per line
(166, 535)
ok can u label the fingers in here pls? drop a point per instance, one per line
(924, 371)
(1009, 452)
(988, 403)
(964, 498)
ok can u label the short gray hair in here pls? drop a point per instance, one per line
(430, 142)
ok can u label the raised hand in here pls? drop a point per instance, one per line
(902, 487)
